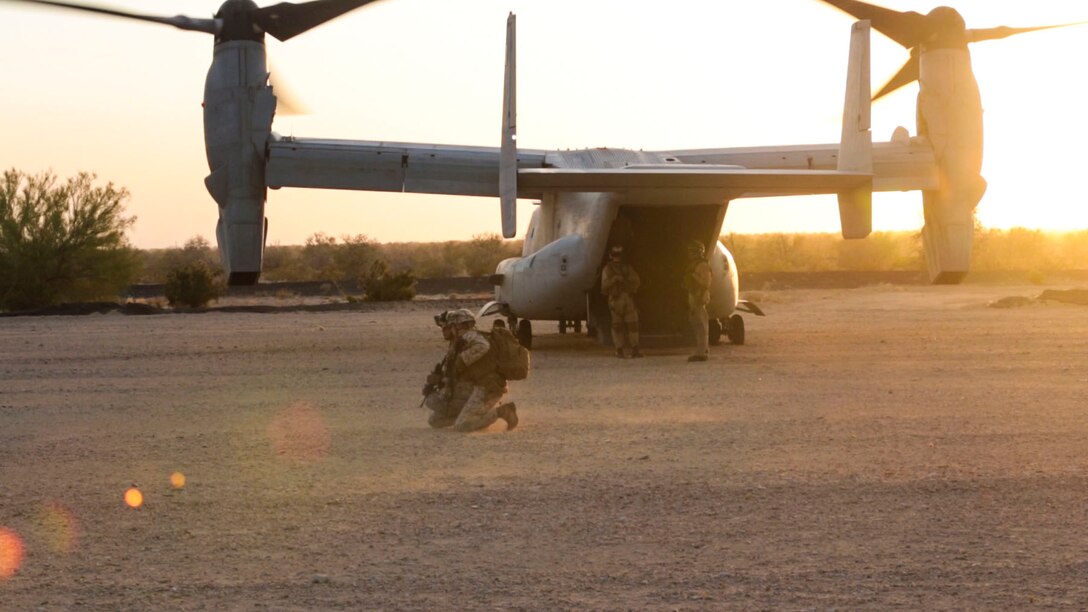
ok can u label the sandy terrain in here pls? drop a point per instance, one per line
(873, 448)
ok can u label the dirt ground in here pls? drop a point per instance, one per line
(876, 448)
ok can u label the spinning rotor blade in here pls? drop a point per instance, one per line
(906, 75)
(210, 26)
(287, 101)
(1005, 32)
(286, 20)
(908, 29)
(941, 28)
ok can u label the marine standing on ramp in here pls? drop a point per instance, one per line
(475, 363)
(697, 284)
(620, 282)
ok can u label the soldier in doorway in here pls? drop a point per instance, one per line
(620, 282)
(697, 284)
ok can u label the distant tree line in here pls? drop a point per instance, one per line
(1012, 250)
(326, 258)
(64, 241)
(346, 259)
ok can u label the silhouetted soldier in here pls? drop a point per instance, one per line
(620, 282)
(697, 284)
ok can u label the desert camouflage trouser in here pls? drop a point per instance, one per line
(700, 323)
(479, 411)
(447, 404)
(624, 320)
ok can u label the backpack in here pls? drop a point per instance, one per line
(511, 358)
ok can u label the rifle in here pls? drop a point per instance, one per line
(430, 387)
(442, 373)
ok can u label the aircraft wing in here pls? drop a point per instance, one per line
(474, 171)
(729, 181)
(389, 166)
(904, 164)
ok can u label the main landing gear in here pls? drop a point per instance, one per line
(523, 331)
(565, 324)
(733, 328)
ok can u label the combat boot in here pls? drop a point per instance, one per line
(635, 353)
(619, 353)
(698, 358)
(509, 413)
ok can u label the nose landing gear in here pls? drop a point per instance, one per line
(733, 328)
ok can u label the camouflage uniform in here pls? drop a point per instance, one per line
(620, 282)
(447, 401)
(697, 284)
(474, 364)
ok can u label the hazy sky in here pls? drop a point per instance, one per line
(122, 99)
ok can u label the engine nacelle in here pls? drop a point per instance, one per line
(550, 284)
(950, 116)
(238, 111)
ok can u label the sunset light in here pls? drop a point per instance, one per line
(707, 74)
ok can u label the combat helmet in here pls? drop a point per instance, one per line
(460, 316)
(440, 318)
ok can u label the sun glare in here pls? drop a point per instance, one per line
(134, 498)
(177, 480)
(59, 526)
(299, 433)
(11, 553)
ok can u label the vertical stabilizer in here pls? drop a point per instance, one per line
(856, 148)
(508, 156)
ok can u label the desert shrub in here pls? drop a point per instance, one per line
(352, 255)
(1017, 248)
(482, 254)
(193, 284)
(881, 251)
(382, 286)
(157, 263)
(62, 242)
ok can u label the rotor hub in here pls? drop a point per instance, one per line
(947, 29)
(237, 18)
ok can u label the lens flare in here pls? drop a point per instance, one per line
(134, 498)
(177, 480)
(59, 527)
(299, 433)
(11, 553)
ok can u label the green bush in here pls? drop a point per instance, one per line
(62, 242)
(381, 286)
(193, 284)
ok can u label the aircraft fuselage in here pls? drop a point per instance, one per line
(570, 233)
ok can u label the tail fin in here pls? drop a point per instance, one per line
(508, 153)
(856, 149)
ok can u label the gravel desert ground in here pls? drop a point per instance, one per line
(875, 448)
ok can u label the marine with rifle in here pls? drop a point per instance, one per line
(464, 389)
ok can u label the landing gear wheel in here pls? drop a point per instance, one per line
(562, 326)
(715, 327)
(525, 333)
(577, 327)
(590, 330)
(735, 329)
